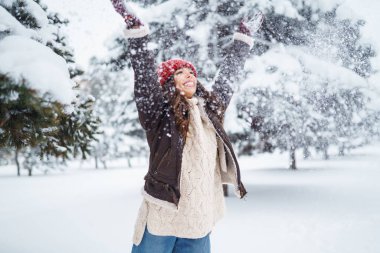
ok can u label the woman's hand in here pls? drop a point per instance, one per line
(129, 16)
(251, 23)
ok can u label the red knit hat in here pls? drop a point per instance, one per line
(167, 68)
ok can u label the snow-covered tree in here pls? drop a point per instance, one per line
(112, 86)
(40, 115)
(311, 72)
(59, 43)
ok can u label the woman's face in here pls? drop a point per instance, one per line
(185, 81)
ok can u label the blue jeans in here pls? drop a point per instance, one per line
(171, 244)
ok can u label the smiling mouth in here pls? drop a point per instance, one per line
(188, 84)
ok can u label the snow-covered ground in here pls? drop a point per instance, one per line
(324, 207)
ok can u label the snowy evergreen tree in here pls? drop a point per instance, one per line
(41, 119)
(112, 86)
(316, 37)
(59, 44)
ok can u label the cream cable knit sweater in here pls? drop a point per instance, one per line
(202, 203)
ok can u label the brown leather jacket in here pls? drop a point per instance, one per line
(164, 140)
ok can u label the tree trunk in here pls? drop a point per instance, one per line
(104, 164)
(325, 153)
(306, 153)
(341, 150)
(96, 162)
(225, 190)
(292, 162)
(29, 172)
(17, 162)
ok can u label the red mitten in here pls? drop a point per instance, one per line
(250, 24)
(125, 10)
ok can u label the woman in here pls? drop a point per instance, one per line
(190, 153)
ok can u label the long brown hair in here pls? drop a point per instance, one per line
(181, 107)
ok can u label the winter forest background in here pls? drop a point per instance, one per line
(310, 83)
(309, 92)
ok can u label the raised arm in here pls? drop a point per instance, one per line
(148, 94)
(235, 59)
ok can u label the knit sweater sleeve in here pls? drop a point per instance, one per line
(148, 94)
(232, 64)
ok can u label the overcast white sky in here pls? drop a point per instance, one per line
(93, 21)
